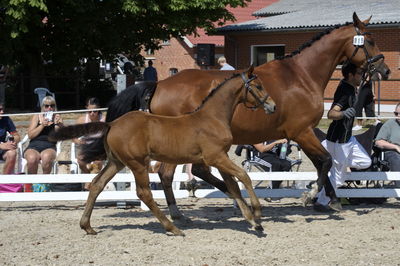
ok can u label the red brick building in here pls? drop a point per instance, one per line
(177, 55)
(287, 24)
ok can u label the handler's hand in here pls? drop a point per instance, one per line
(349, 113)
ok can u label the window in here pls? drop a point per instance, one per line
(264, 53)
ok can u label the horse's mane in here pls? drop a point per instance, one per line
(317, 37)
(212, 92)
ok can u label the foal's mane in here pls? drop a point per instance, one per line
(212, 92)
(316, 37)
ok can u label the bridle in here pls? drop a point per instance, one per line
(370, 69)
(249, 89)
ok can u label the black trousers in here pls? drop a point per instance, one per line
(278, 165)
(366, 101)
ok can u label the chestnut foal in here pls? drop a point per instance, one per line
(203, 136)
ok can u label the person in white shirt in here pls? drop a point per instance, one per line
(224, 65)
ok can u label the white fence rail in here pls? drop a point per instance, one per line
(201, 193)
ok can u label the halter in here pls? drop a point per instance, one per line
(260, 102)
(371, 69)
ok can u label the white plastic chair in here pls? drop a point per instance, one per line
(41, 93)
(22, 161)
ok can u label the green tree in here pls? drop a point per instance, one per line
(62, 32)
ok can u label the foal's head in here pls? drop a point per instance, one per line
(255, 94)
(363, 51)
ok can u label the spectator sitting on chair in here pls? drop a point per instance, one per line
(40, 148)
(344, 148)
(9, 139)
(90, 116)
(388, 138)
(269, 152)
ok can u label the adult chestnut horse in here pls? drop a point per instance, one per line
(296, 83)
(203, 136)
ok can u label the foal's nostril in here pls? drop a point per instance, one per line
(388, 72)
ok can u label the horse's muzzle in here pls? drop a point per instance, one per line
(269, 108)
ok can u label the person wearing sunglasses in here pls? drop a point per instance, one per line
(88, 117)
(40, 148)
(388, 139)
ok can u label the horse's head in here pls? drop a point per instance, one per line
(363, 51)
(260, 96)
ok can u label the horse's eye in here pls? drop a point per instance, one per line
(259, 87)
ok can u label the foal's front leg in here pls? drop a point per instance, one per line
(225, 165)
(143, 191)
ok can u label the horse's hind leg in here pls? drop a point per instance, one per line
(166, 174)
(97, 186)
(203, 171)
(144, 193)
(226, 166)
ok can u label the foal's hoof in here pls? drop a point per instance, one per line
(177, 232)
(90, 231)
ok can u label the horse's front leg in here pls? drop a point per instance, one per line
(322, 160)
(228, 170)
(143, 192)
(96, 187)
(166, 174)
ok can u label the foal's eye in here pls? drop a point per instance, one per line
(259, 87)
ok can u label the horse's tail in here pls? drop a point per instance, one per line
(91, 152)
(133, 98)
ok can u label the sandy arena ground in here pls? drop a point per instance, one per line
(48, 233)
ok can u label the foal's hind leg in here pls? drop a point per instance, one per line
(144, 193)
(225, 165)
(97, 186)
(203, 171)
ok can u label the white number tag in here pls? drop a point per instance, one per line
(358, 40)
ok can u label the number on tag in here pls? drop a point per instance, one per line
(358, 40)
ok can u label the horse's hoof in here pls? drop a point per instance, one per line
(306, 199)
(177, 232)
(336, 205)
(259, 228)
(90, 231)
(182, 220)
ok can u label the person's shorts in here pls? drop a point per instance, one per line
(40, 145)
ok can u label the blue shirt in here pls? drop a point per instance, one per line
(227, 66)
(150, 73)
(6, 125)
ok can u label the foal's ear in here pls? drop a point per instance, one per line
(250, 70)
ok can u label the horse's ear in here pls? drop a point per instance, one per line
(250, 70)
(366, 22)
(357, 22)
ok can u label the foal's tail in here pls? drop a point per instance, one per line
(92, 152)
